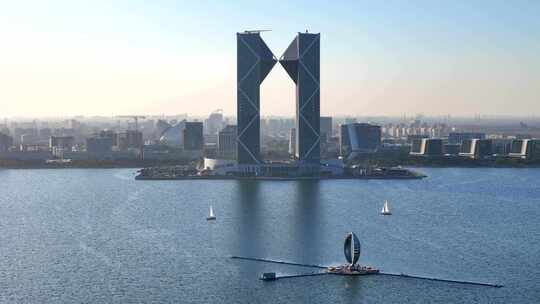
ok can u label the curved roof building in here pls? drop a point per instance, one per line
(173, 136)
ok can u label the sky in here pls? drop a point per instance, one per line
(114, 57)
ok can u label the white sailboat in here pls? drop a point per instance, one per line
(386, 209)
(212, 216)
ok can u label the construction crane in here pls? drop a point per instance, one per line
(256, 31)
(134, 117)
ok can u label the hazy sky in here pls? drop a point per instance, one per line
(109, 57)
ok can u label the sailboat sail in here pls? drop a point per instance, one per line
(385, 209)
(211, 212)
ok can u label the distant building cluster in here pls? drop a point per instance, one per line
(476, 146)
(266, 145)
(102, 139)
(178, 138)
(421, 139)
(216, 137)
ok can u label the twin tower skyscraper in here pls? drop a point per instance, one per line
(301, 60)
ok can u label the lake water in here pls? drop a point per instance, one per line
(99, 236)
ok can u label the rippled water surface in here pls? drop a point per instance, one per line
(100, 236)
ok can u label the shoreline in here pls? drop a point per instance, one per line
(268, 178)
(140, 166)
(86, 164)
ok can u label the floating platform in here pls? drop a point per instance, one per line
(272, 178)
(352, 270)
(171, 173)
(348, 270)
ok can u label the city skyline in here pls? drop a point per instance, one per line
(62, 58)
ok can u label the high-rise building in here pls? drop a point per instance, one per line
(227, 142)
(326, 133)
(214, 123)
(254, 62)
(326, 126)
(185, 135)
(6, 142)
(301, 60)
(292, 142)
(193, 135)
(131, 139)
(359, 138)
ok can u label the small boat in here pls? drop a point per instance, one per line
(268, 276)
(212, 216)
(385, 209)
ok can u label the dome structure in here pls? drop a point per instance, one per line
(351, 248)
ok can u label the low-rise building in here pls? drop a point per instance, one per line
(31, 155)
(451, 149)
(501, 146)
(168, 153)
(427, 147)
(526, 149)
(476, 148)
(61, 144)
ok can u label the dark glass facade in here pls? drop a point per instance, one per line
(359, 137)
(516, 146)
(193, 136)
(301, 60)
(434, 147)
(254, 62)
(534, 152)
(227, 142)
